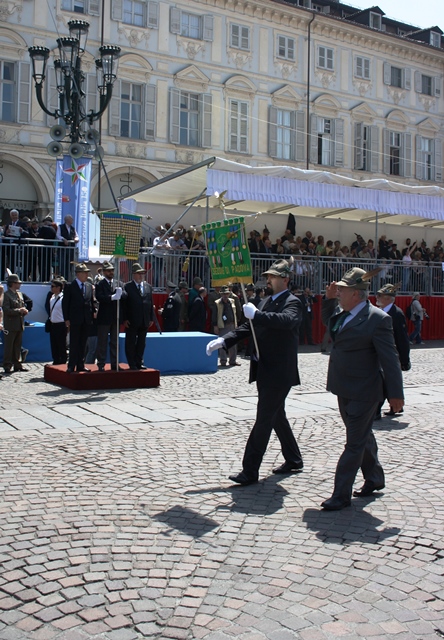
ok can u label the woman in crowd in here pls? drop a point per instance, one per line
(57, 327)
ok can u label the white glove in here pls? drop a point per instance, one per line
(118, 294)
(214, 345)
(249, 310)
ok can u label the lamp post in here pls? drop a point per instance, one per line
(70, 80)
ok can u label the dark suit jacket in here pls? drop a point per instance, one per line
(78, 309)
(107, 307)
(47, 233)
(67, 235)
(197, 315)
(171, 312)
(277, 330)
(401, 336)
(136, 308)
(362, 352)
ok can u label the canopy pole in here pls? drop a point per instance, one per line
(376, 236)
(253, 333)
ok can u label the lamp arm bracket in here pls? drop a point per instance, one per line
(38, 91)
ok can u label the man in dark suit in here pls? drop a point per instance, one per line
(171, 309)
(108, 294)
(275, 370)
(67, 235)
(385, 299)
(306, 329)
(137, 316)
(79, 307)
(363, 358)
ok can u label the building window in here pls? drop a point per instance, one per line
(239, 37)
(131, 110)
(375, 20)
(429, 159)
(190, 118)
(286, 139)
(325, 58)
(426, 85)
(285, 47)
(435, 39)
(133, 13)
(426, 158)
(362, 67)
(326, 141)
(397, 157)
(395, 153)
(397, 76)
(366, 147)
(191, 26)
(81, 6)
(7, 91)
(238, 134)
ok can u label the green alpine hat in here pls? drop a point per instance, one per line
(282, 268)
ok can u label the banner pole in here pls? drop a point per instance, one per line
(118, 314)
(251, 324)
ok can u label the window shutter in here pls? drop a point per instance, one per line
(374, 149)
(407, 155)
(94, 7)
(117, 10)
(386, 143)
(339, 142)
(243, 115)
(321, 57)
(207, 28)
(153, 15)
(437, 87)
(175, 20)
(438, 159)
(66, 5)
(52, 100)
(313, 139)
(359, 134)
(150, 112)
(366, 69)
(114, 111)
(407, 78)
(91, 93)
(418, 81)
(232, 133)
(300, 135)
(207, 107)
(387, 73)
(272, 132)
(24, 92)
(358, 68)
(292, 134)
(175, 116)
(419, 159)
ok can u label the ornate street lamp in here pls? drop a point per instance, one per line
(70, 80)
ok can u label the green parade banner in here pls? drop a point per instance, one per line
(228, 251)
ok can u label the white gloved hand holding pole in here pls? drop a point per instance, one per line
(117, 294)
(249, 310)
(214, 345)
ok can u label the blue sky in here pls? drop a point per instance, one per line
(423, 13)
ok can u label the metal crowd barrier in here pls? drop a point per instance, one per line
(35, 261)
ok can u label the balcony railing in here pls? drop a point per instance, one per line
(34, 261)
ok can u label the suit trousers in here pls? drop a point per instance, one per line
(12, 346)
(232, 351)
(103, 331)
(135, 341)
(57, 338)
(270, 416)
(78, 335)
(361, 450)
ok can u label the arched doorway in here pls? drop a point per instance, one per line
(17, 191)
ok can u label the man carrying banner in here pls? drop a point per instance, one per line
(276, 323)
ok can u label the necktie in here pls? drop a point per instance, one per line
(268, 304)
(140, 289)
(339, 321)
(83, 289)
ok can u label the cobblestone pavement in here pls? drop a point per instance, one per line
(118, 522)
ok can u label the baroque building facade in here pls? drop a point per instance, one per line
(317, 85)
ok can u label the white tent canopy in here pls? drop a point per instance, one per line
(282, 189)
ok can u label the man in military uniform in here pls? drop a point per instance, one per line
(225, 318)
(362, 345)
(171, 309)
(14, 312)
(274, 369)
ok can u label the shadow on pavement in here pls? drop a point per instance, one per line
(348, 525)
(390, 425)
(187, 521)
(98, 396)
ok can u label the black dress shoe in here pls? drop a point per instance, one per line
(83, 369)
(289, 467)
(367, 489)
(70, 370)
(242, 478)
(335, 504)
(101, 367)
(143, 368)
(393, 413)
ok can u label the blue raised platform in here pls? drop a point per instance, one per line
(36, 340)
(181, 352)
